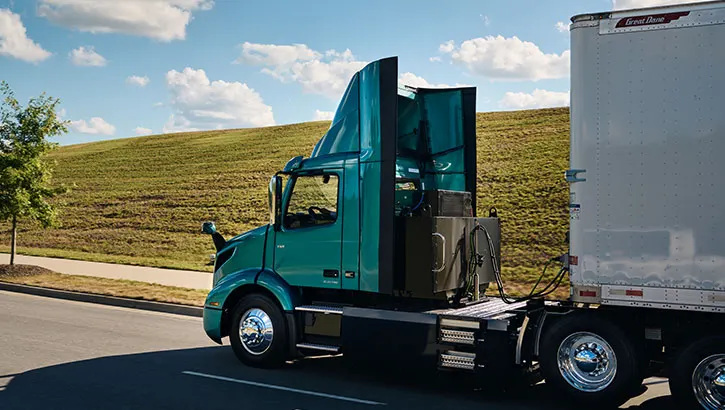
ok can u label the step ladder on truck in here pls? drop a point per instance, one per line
(374, 248)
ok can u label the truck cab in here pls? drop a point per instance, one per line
(381, 214)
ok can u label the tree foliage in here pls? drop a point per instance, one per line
(25, 175)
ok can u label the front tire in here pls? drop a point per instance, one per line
(698, 375)
(258, 332)
(590, 360)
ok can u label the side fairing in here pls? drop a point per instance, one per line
(450, 120)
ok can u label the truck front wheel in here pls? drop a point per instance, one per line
(590, 360)
(698, 375)
(258, 332)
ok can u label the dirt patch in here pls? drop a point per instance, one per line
(16, 271)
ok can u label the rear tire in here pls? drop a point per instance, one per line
(590, 360)
(258, 332)
(698, 375)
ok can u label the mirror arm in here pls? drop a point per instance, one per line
(219, 241)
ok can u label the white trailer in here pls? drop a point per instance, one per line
(647, 222)
(647, 140)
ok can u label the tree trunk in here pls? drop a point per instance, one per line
(13, 240)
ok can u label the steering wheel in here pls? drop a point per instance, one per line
(312, 212)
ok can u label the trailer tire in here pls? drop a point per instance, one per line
(698, 374)
(258, 332)
(590, 360)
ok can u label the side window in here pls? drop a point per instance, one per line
(313, 201)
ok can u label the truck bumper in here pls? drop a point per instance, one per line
(212, 324)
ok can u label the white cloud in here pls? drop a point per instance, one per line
(60, 114)
(636, 4)
(447, 47)
(435, 59)
(158, 104)
(275, 55)
(95, 126)
(142, 131)
(502, 58)
(200, 103)
(413, 80)
(486, 20)
(325, 73)
(87, 56)
(163, 20)
(137, 80)
(14, 41)
(562, 27)
(323, 115)
(178, 124)
(537, 99)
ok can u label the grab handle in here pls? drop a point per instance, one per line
(443, 251)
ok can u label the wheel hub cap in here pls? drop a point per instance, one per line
(587, 362)
(708, 382)
(256, 331)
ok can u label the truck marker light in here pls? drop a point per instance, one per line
(573, 260)
(633, 292)
(588, 293)
(213, 303)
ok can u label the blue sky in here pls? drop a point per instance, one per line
(133, 67)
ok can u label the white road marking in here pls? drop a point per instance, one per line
(289, 389)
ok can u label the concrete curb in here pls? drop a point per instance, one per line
(104, 300)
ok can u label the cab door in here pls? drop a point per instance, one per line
(308, 245)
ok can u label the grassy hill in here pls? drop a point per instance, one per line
(142, 200)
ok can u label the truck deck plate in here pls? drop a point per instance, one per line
(483, 310)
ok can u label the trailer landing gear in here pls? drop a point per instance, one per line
(590, 360)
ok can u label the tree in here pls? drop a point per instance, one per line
(25, 174)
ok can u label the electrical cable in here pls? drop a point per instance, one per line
(476, 258)
(540, 277)
(422, 195)
(547, 290)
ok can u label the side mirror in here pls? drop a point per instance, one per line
(208, 228)
(275, 201)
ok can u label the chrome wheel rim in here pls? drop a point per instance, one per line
(708, 382)
(256, 331)
(587, 362)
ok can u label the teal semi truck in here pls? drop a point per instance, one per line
(373, 247)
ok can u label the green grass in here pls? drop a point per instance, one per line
(113, 287)
(142, 200)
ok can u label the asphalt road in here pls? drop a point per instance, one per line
(57, 354)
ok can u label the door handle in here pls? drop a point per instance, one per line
(443, 252)
(330, 273)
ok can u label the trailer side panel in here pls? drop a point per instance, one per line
(648, 136)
